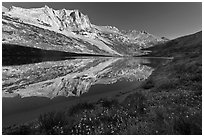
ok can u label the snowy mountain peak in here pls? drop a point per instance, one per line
(70, 31)
(46, 7)
(4, 9)
(57, 19)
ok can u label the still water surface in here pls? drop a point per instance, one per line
(32, 88)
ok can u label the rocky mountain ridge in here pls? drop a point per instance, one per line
(56, 19)
(70, 31)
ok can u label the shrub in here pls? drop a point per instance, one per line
(49, 121)
(17, 130)
(185, 126)
(108, 103)
(148, 85)
(80, 107)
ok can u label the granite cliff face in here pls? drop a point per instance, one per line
(70, 31)
(71, 20)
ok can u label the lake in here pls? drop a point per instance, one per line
(34, 86)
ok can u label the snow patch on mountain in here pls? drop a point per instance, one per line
(84, 36)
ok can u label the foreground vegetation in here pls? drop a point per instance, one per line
(169, 102)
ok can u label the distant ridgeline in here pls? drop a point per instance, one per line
(70, 31)
(13, 54)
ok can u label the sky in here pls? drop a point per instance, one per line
(165, 19)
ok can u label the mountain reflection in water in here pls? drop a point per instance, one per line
(70, 77)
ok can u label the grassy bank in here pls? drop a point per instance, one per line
(169, 102)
